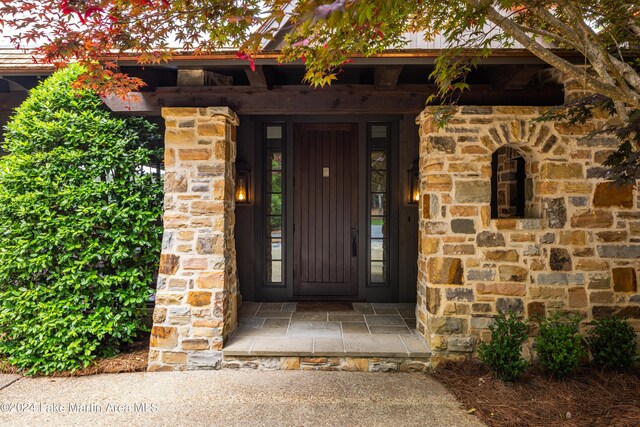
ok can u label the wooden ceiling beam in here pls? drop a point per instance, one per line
(199, 77)
(337, 99)
(386, 76)
(256, 77)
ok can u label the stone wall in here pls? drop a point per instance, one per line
(197, 294)
(577, 249)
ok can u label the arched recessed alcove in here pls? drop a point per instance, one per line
(508, 180)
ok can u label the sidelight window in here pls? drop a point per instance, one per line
(274, 206)
(379, 204)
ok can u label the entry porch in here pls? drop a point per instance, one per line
(327, 336)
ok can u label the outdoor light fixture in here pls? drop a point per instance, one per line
(414, 183)
(242, 183)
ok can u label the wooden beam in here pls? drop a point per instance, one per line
(200, 77)
(513, 77)
(298, 99)
(337, 99)
(386, 76)
(522, 77)
(256, 77)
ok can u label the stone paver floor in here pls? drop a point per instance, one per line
(278, 329)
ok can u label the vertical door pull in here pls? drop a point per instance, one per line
(354, 242)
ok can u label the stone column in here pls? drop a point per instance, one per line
(196, 299)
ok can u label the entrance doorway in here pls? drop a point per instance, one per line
(326, 209)
(328, 216)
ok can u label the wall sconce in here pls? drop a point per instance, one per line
(414, 183)
(242, 183)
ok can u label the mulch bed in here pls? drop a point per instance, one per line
(133, 358)
(589, 397)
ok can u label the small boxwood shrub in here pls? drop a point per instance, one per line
(612, 342)
(80, 228)
(503, 353)
(559, 346)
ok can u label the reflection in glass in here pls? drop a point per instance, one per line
(378, 204)
(378, 181)
(378, 272)
(378, 227)
(274, 271)
(274, 160)
(274, 226)
(274, 182)
(378, 249)
(274, 249)
(378, 160)
(274, 204)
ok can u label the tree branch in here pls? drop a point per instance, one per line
(549, 34)
(599, 57)
(554, 60)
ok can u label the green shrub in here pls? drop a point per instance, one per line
(612, 342)
(502, 354)
(80, 228)
(559, 345)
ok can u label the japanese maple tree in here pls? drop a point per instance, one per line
(326, 34)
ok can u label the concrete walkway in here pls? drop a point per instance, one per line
(232, 398)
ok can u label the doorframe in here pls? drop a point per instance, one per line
(365, 293)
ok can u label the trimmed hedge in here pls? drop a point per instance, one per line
(80, 228)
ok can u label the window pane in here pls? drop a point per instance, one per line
(274, 160)
(378, 160)
(378, 131)
(274, 204)
(274, 182)
(378, 272)
(274, 132)
(274, 271)
(274, 226)
(378, 227)
(274, 249)
(378, 182)
(378, 204)
(378, 249)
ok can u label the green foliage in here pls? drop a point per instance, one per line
(80, 228)
(559, 345)
(502, 354)
(612, 342)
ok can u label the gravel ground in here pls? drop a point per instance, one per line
(232, 398)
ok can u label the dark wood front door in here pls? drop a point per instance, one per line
(326, 210)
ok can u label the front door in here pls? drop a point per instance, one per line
(325, 210)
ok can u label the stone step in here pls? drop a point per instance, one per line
(320, 363)
(354, 352)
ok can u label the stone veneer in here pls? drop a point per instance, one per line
(197, 294)
(348, 364)
(577, 250)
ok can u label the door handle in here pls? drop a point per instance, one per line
(354, 242)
